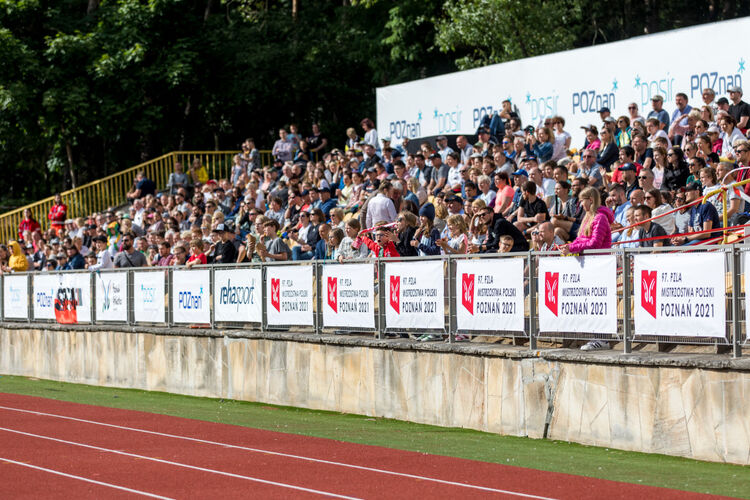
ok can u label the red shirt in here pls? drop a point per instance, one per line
(27, 225)
(201, 257)
(57, 215)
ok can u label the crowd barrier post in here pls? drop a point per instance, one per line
(170, 285)
(263, 319)
(2, 298)
(452, 313)
(734, 269)
(318, 289)
(92, 298)
(382, 292)
(212, 295)
(130, 284)
(627, 334)
(532, 260)
(30, 299)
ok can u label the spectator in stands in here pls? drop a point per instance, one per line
(322, 247)
(731, 134)
(710, 184)
(284, 147)
(459, 240)
(543, 238)
(589, 169)
(648, 229)
(327, 203)
(608, 151)
(703, 217)
(142, 187)
(177, 179)
(562, 139)
(739, 109)
(28, 225)
(224, 251)
(197, 255)
(381, 208)
(128, 256)
(103, 258)
(644, 155)
(384, 245)
(676, 171)
(499, 226)
(657, 104)
(58, 212)
(618, 202)
(16, 259)
(75, 259)
(540, 143)
(371, 135)
(595, 231)
(655, 201)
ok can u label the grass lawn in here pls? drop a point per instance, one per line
(558, 456)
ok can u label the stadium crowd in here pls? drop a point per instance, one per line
(635, 181)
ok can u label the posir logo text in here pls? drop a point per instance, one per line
(447, 123)
(237, 295)
(148, 294)
(15, 294)
(542, 107)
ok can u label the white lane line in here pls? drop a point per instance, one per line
(177, 464)
(100, 483)
(280, 454)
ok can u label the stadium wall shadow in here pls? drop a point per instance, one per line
(690, 406)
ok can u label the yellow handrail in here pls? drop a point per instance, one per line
(109, 192)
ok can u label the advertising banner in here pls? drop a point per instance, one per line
(349, 295)
(15, 296)
(491, 294)
(289, 295)
(578, 294)
(415, 295)
(454, 104)
(746, 257)
(65, 298)
(190, 296)
(111, 296)
(237, 295)
(680, 295)
(149, 297)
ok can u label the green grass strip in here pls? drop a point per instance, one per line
(557, 456)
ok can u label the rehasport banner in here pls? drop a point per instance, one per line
(190, 296)
(415, 295)
(111, 296)
(489, 294)
(680, 295)
(289, 295)
(65, 298)
(237, 295)
(148, 297)
(578, 294)
(349, 295)
(15, 296)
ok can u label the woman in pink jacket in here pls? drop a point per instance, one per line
(595, 231)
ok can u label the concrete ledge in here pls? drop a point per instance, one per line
(691, 405)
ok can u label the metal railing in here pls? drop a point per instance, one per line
(107, 297)
(110, 192)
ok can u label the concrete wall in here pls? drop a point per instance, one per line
(692, 406)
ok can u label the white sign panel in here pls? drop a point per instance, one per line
(190, 296)
(111, 296)
(289, 295)
(148, 297)
(747, 295)
(64, 297)
(45, 289)
(491, 294)
(349, 295)
(415, 295)
(578, 294)
(237, 295)
(16, 296)
(680, 295)
(455, 104)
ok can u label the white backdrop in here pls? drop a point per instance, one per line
(489, 294)
(111, 296)
(578, 294)
(349, 295)
(237, 295)
(289, 294)
(561, 84)
(149, 297)
(190, 296)
(16, 296)
(415, 295)
(680, 295)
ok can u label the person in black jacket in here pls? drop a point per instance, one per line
(407, 227)
(676, 171)
(224, 251)
(498, 227)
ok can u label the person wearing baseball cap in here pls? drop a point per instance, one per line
(224, 251)
(739, 109)
(703, 217)
(604, 113)
(658, 111)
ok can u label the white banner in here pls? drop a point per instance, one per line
(680, 295)
(64, 297)
(350, 295)
(415, 295)
(578, 294)
(747, 295)
(190, 296)
(16, 296)
(455, 103)
(289, 295)
(491, 294)
(111, 296)
(149, 297)
(237, 295)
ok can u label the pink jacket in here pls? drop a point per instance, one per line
(601, 235)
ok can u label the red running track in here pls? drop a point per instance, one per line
(56, 449)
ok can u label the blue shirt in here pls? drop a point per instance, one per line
(677, 113)
(621, 219)
(662, 116)
(702, 213)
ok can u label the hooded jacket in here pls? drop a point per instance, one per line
(17, 261)
(601, 234)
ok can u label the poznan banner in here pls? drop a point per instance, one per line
(680, 295)
(190, 296)
(415, 295)
(289, 295)
(491, 294)
(349, 295)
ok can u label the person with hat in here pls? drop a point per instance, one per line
(327, 202)
(739, 109)
(443, 148)
(703, 217)
(604, 113)
(426, 235)
(75, 259)
(485, 139)
(224, 251)
(103, 258)
(658, 111)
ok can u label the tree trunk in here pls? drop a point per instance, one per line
(207, 12)
(92, 7)
(69, 151)
(186, 114)
(295, 9)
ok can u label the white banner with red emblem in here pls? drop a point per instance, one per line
(578, 294)
(289, 295)
(65, 298)
(681, 295)
(415, 295)
(490, 295)
(348, 295)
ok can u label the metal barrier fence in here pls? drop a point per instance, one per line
(110, 191)
(686, 295)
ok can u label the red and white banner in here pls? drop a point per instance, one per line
(415, 295)
(349, 295)
(578, 294)
(681, 295)
(289, 295)
(491, 294)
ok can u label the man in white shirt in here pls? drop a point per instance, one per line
(465, 149)
(443, 148)
(381, 208)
